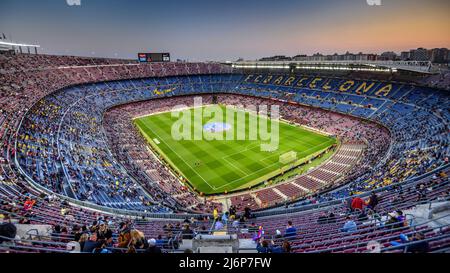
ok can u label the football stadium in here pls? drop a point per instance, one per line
(173, 144)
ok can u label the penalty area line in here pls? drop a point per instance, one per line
(212, 187)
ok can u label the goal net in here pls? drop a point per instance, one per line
(288, 157)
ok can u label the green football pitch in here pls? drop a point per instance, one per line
(219, 166)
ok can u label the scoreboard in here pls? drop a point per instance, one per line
(153, 57)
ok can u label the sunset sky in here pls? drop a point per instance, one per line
(225, 30)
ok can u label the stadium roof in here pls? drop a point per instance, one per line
(17, 44)
(380, 66)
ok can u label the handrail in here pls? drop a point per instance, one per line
(257, 214)
(366, 227)
(444, 250)
(212, 228)
(14, 240)
(12, 248)
(281, 211)
(176, 239)
(6, 248)
(60, 244)
(384, 238)
(406, 245)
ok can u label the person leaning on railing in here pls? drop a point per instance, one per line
(7, 230)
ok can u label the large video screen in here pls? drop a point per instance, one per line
(153, 57)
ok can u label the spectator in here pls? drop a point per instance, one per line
(401, 218)
(131, 249)
(331, 218)
(349, 226)
(290, 231)
(357, 203)
(247, 213)
(403, 240)
(373, 201)
(419, 246)
(235, 224)
(187, 232)
(284, 248)
(278, 234)
(421, 192)
(73, 247)
(104, 232)
(252, 228)
(216, 214)
(348, 203)
(28, 205)
(103, 247)
(83, 238)
(225, 218)
(124, 235)
(138, 239)
(152, 247)
(259, 234)
(232, 212)
(160, 240)
(395, 220)
(7, 230)
(56, 232)
(91, 244)
(323, 219)
(374, 247)
(218, 225)
(263, 247)
(76, 233)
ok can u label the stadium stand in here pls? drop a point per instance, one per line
(70, 160)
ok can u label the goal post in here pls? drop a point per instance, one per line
(288, 157)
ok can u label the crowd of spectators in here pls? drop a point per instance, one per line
(61, 144)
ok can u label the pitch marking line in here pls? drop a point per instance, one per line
(265, 167)
(247, 148)
(234, 181)
(246, 176)
(214, 188)
(237, 168)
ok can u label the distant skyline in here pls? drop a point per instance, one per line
(199, 30)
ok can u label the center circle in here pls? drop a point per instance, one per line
(216, 127)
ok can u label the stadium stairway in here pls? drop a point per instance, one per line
(245, 246)
(218, 241)
(440, 211)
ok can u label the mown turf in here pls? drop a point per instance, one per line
(219, 166)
